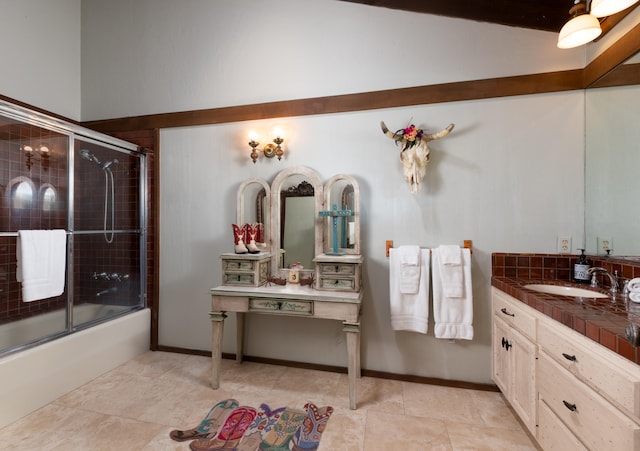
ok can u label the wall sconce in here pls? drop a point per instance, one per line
(269, 150)
(42, 150)
(584, 27)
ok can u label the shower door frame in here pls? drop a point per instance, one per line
(73, 132)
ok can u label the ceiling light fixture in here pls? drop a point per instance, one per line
(582, 27)
(603, 8)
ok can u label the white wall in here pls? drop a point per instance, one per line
(41, 54)
(154, 56)
(509, 177)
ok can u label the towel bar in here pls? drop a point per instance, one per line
(467, 244)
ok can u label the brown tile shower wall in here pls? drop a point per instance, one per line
(38, 171)
(91, 252)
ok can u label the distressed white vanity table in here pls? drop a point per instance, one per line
(330, 254)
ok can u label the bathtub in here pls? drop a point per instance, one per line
(36, 376)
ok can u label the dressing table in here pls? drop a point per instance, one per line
(296, 235)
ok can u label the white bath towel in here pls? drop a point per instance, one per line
(451, 270)
(409, 311)
(453, 316)
(634, 285)
(41, 263)
(409, 269)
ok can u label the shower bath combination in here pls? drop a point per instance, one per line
(108, 177)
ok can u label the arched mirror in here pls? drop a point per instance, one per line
(20, 193)
(47, 197)
(253, 207)
(296, 228)
(341, 216)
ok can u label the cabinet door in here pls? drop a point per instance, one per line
(523, 387)
(500, 363)
(514, 371)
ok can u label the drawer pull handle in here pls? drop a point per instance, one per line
(571, 407)
(569, 357)
(505, 343)
(504, 310)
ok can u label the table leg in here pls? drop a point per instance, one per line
(217, 327)
(352, 331)
(239, 336)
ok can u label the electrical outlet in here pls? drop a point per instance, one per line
(605, 245)
(564, 244)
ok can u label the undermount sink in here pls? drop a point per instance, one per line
(565, 291)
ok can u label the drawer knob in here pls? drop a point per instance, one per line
(568, 405)
(569, 357)
(504, 310)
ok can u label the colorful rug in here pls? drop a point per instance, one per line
(229, 426)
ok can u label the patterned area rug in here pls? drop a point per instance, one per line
(229, 426)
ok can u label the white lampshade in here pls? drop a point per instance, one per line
(578, 31)
(603, 8)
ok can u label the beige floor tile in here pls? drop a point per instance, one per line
(437, 402)
(390, 431)
(135, 406)
(478, 438)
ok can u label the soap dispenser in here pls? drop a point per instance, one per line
(581, 267)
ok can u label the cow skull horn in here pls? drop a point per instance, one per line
(389, 133)
(440, 134)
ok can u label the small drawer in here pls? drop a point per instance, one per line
(337, 268)
(237, 265)
(329, 283)
(597, 423)
(238, 279)
(553, 434)
(283, 306)
(514, 313)
(598, 367)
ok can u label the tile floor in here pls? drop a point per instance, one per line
(135, 406)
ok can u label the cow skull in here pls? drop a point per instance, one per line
(414, 155)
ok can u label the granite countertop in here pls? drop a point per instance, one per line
(601, 319)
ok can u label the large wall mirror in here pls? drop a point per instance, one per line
(612, 156)
(296, 227)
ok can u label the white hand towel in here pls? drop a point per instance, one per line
(634, 285)
(409, 311)
(451, 270)
(41, 263)
(409, 269)
(453, 316)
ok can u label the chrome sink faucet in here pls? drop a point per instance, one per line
(594, 282)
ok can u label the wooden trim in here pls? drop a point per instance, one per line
(620, 51)
(392, 98)
(341, 370)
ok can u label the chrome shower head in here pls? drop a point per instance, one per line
(109, 163)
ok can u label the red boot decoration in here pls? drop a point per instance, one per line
(239, 239)
(251, 233)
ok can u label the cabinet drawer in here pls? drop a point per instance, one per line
(329, 283)
(238, 279)
(553, 434)
(597, 423)
(595, 365)
(283, 306)
(514, 313)
(237, 265)
(336, 268)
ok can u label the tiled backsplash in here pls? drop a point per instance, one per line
(555, 266)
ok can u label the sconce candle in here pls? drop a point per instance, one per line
(270, 150)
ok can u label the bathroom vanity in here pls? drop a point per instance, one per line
(314, 252)
(570, 391)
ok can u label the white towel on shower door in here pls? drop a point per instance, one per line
(41, 263)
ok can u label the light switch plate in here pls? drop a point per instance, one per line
(564, 244)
